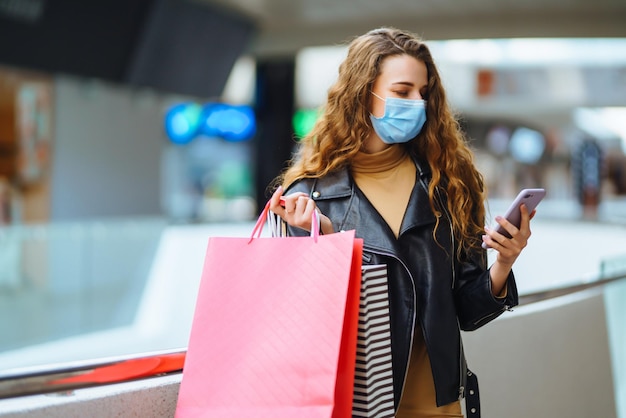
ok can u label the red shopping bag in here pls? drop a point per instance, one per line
(275, 327)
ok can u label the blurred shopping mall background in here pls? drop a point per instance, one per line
(132, 130)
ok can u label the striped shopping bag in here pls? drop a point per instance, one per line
(373, 380)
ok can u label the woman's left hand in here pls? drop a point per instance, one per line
(508, 248)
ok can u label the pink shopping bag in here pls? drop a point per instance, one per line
(275, 327)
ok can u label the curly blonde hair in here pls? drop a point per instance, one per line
(344, 124)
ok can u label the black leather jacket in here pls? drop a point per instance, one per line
(427, 282)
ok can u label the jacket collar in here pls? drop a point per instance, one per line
(418, 211)
(332, 186)
(359, 211)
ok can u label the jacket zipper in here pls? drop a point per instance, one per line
(461, 372)
(452, 255)
(504, 308)
(452, 240)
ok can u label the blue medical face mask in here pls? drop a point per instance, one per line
(402, 121)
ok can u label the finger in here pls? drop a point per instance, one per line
(524, 229)
(301, 207)
(507, 226)
(290, 205)
(500, 242)
(506, 248)
(487, 241)
(525, 216)
(309, 207)
(275, 205)
(493, 238)
(290, 201)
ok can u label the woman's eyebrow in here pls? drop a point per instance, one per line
(404, 83)
(408, 84)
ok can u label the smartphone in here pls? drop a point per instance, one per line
(529, 197)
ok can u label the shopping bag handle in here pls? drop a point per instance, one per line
(258, 227)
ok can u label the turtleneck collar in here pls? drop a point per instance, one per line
(378, 162)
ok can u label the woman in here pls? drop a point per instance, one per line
(387, 159)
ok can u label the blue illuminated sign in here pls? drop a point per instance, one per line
(186, 121)
(182, 122)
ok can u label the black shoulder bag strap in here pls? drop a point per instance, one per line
(472, 397)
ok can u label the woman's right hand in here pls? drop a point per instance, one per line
(296, 209)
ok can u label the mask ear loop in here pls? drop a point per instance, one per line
(384, 100)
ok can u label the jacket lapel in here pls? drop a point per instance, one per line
(418, 212)
(359, 211)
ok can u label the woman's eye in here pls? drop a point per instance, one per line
(402, 93)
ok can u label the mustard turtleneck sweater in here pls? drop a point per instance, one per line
(386, 178)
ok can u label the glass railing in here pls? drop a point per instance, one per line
(63, 281)
(615, 298)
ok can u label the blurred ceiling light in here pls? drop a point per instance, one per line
(498, 139)
(527, 145)
(540, 51)
(604, 123)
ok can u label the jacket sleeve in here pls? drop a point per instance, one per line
(475, 304)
